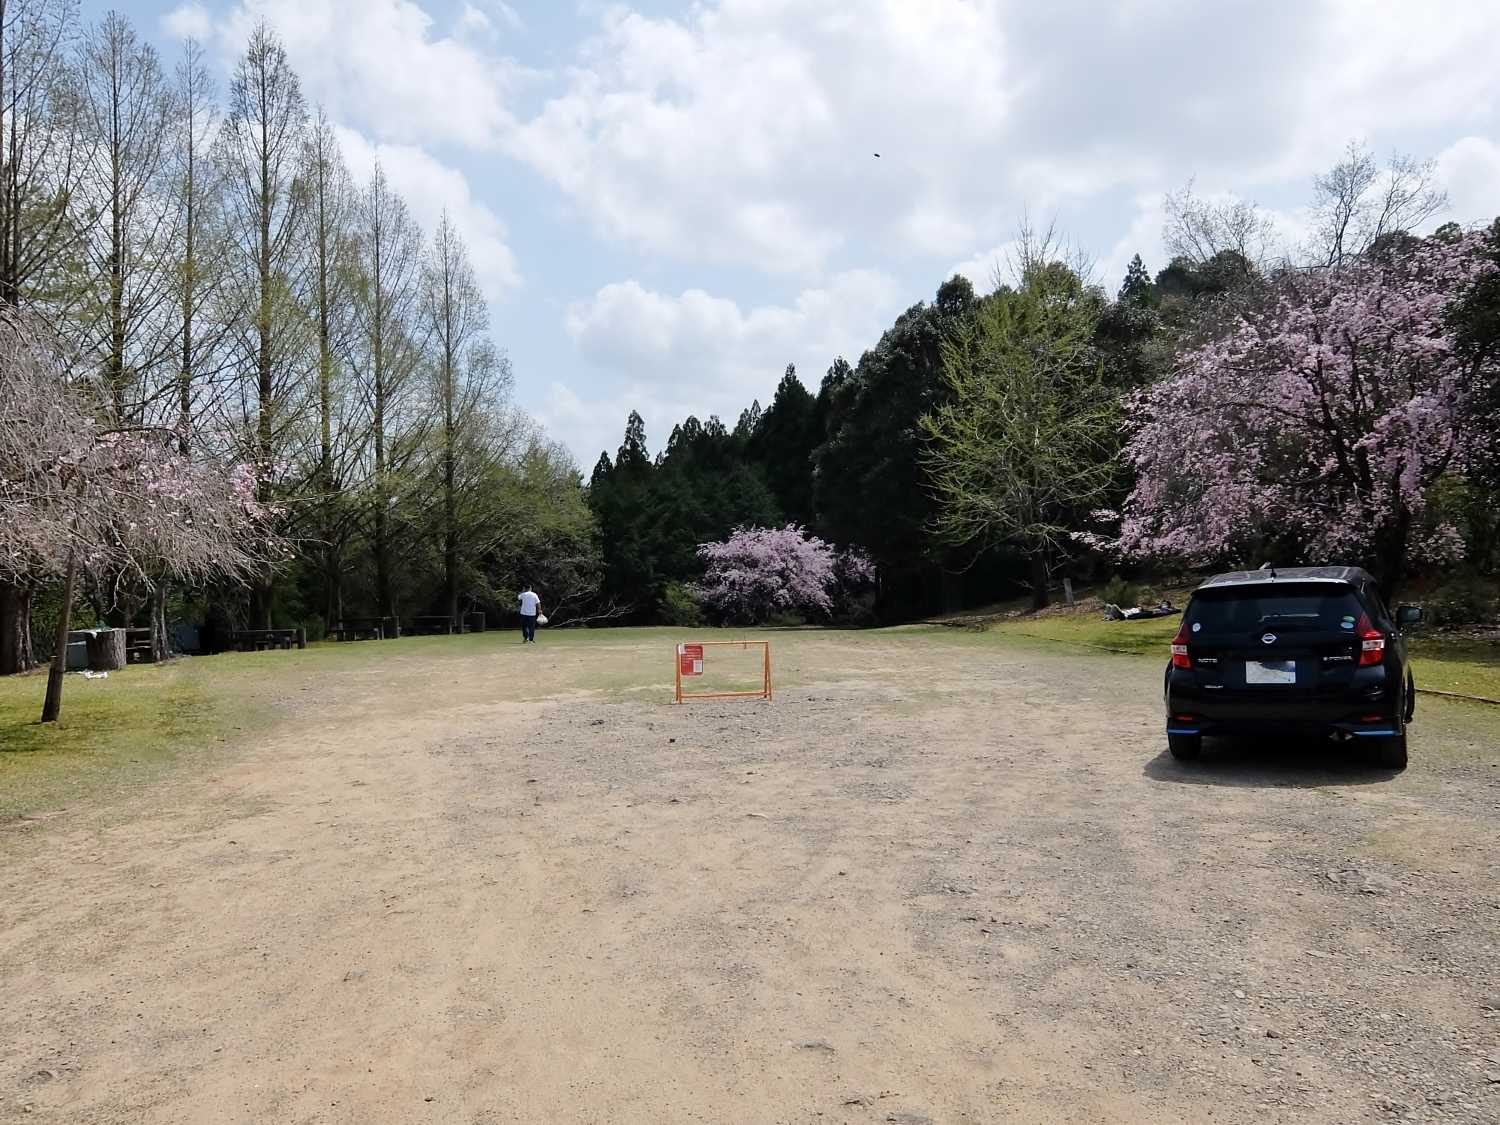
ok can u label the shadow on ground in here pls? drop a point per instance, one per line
(1290, 763)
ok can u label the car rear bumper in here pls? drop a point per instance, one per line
(1384, 728)
(1371, 710)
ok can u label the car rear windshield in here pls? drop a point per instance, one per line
(1288, 609)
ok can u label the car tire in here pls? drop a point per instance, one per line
(1391, 752)
(1409, 705)
(1185, 747)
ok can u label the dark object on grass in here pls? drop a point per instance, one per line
(1113, 612)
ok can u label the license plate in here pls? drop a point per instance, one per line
(1270, 672)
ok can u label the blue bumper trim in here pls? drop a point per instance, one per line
(1182, 730)
(1373, 733)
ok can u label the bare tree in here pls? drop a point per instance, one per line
(1202, 230)
(389, 292)
(39, 146)
(126, 110)
(469, 379)
(38, 168)
(259, 151)
(1356, 202)
(196, 194)
(331, 206)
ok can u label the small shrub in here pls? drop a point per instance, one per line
(679, 606)
(784, 620)
(1461, 601)
(1118, 591)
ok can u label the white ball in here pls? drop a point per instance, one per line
(541, 619)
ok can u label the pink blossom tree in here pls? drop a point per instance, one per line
(123, 502)
(1318, 419)
(758, 574)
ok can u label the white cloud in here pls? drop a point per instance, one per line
(429, 186)
(474, 21)
(987, 268)
(380, 66)
(188, 21)
(1470, 172)
(668, 356)
(743, 131)
(1142, 237)
(746, 132)
(507, 14)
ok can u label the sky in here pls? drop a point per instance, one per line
(668, 203)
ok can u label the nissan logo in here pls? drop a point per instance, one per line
(1268, 639)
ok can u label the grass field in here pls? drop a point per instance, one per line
(1465, 667)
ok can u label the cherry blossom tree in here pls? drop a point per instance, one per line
(760, 573)
(1317, 420)
(42, 430)
(125, 502)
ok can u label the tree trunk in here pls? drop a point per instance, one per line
(161, 643)
(1039, 598)
(333, 581)
(383, 597)
(52, 705)
(261, 597)
(953, 591)
(265, 385)
(16, 652)
(107, 651)
(1390, 554)
(450, 473)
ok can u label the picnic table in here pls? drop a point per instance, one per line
(258, 640)
(364, 630)
(473, 622)
(432, 624)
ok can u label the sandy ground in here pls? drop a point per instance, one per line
(929, 883)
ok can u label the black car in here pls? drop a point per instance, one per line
(1304, 650)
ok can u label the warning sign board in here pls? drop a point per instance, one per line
(690, 659)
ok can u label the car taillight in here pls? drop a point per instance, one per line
(1180, 657)
(1371, 641)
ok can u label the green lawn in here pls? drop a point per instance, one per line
(1466, 667)
(122, 729)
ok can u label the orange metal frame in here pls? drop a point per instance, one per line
(763, 693)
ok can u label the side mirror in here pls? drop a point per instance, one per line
(1408, 615)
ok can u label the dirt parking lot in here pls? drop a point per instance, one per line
(939, 879)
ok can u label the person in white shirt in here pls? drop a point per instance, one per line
(531, 606)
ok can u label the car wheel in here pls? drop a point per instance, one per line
(1391, 752)
(1185, 747)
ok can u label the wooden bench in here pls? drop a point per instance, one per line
(258, 640)
(389, 627)
(473, 622)
(431, 625)
(138, 648)
(344, 631)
